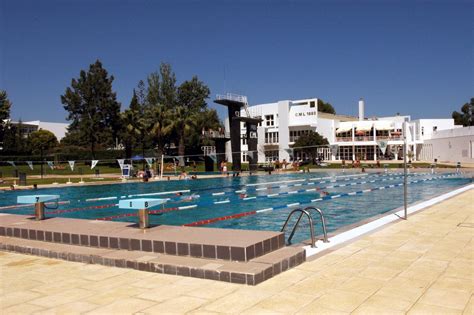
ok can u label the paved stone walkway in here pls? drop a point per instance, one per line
(421, 266)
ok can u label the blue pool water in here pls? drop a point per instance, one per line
(219, 197)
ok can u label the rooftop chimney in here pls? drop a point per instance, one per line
(361, 109)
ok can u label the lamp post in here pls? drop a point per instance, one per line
(41, 159)
(41, 154)
(405, 182)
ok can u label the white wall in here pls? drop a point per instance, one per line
(453, 145)
(326, 128)
(59, 129)
(427, 125)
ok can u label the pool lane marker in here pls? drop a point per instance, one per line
(323, 182)
(135, 214)
(292, 192)
(139, 195)
(100, 199)
(81, 209)
(248, 213)
(13, 207)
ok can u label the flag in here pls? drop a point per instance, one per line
(30, 164)
(50, 164)
(121, 162)
(71, 165)
(149, 161)
(382, 145)
(11, 163)
(94, 163)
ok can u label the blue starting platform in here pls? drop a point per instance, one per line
(140, 203)
(36, 198)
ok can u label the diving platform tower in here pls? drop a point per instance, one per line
(234, 105)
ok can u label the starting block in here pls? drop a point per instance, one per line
(38, 201)
(142, 205)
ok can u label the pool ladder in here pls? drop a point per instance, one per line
(307, 211)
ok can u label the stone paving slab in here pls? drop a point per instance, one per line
(436, 278)
(250, 272)
(226, 244)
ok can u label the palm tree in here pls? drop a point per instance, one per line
(191, 99)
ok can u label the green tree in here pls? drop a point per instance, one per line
(5, 106)
(16, 142)
(325, 107)
(133, 126)
(308, 143)
(92, 106)
(160, 100)
(191, 98)
(205, 120)
(42, 139)
(465, 117)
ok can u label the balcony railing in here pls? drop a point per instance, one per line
(392, 137)
(343, 139)
(271, 142)
(369, 138)
(215, 134)
(232, 97)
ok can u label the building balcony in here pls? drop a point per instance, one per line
(389, 138)
(215, 134)
(271, 142)
(369, 138)
(343, 139)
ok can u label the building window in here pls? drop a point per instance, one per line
(271, 137)
(244, 140)
(271, 156)
(269, 120)
(295, 134)
(435, 128)
(245, 157)
(422, 131)
(312, 104)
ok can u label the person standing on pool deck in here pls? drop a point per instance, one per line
(224, 167)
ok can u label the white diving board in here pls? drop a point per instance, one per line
(140, 203)
(36, 198)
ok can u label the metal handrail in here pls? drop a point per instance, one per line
(323, 222)
(313, 242)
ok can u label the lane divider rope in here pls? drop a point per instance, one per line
(248, 213)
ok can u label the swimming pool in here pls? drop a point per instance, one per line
(260, 202)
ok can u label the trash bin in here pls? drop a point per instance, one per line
(15, 173)
(97, 172)
(22, 179)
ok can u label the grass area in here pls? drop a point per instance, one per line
(59, 180)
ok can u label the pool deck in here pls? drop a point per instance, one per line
(421, 266)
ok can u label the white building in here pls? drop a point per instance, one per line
(355, 137)
(58, 129)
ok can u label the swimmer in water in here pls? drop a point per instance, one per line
(188, 198)
(243, 195)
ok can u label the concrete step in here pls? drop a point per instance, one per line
(212, 243)
(250, 272)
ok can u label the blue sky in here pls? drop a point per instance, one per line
(413, 57)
